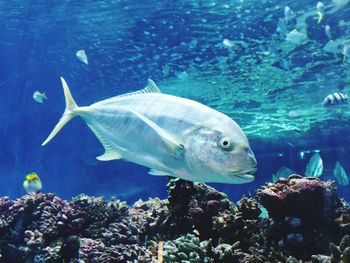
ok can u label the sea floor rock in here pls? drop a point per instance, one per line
(306, 222)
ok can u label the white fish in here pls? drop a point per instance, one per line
(340, 174)
(293, 114)
(183, 75)
(345, 52)
(283, 172)
(228, 43)
(81, 55)
(171, 135)
(327, 30)
(282, 27)
(297, 37)
(320, 11)
(233, 43)
(340, 3)
(284, 64)
(332, 47)
(39, 96)
(288, 14)
(315, 166)
(335, 98)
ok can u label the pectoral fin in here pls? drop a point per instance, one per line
(171, 143)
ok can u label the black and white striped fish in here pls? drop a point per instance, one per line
(335, 99)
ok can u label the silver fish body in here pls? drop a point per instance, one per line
(335, 98)
(32, 187)
(282, 172)
(314, 166)
(327, 30)
(171, 135)
(340, 174)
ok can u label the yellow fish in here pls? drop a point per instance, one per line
(32, 183)
(320, 11)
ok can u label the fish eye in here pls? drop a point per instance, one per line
(225, 143)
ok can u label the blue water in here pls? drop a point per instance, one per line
(179, 44)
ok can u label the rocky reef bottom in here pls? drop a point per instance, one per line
(299, 219)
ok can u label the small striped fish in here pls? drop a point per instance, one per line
(335, 99)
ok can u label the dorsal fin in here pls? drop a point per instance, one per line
(150, 88)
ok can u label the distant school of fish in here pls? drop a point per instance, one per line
(204, 146)
(314, 168)
(296, 33)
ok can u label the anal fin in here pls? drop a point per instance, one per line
(158, 173)
(109, 155)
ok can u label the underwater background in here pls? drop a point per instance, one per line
(280, 69)
(233, 56)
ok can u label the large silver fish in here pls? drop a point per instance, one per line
(283, 172)
(171, 135)
(315, 166)
(340, 174)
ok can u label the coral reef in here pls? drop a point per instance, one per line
(40, 227)
(306, 221)
(308, 198)
(304, 210)
(195, 206)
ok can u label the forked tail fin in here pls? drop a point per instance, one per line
(68, 114)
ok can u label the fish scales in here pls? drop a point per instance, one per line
(169, 112)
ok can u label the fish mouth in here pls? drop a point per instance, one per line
(244, 175)
(239, 172)
(247, 178)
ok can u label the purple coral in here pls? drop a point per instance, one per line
(194, 205)
(95, 251)
(309, 199)
(304, 210)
